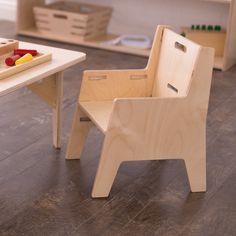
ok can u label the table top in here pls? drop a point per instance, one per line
(61, 60)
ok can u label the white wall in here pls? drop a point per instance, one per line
(8, 9)
(142, 16)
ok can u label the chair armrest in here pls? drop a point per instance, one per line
(151, 110)
(146, 110)
(147, 127)
(100, 85)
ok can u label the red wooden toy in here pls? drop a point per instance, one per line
(10, 61)
(22, 52)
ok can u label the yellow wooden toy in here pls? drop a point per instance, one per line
(27, 57)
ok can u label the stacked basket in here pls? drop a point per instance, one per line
(84, 21)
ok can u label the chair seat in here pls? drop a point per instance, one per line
(98, 112)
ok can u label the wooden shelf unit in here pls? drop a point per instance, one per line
(228, 57)
(215, 39)
(26, 26)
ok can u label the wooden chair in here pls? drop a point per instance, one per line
(151, 114)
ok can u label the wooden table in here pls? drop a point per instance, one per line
(45, 80)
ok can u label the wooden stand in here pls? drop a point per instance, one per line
(26, 26)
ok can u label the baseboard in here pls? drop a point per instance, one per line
(8, 10)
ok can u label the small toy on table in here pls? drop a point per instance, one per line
(22, 52)
(10, 61)
(21, 56)
(27, 57)
(15, 59)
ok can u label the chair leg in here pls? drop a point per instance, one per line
(109, 163)
(78, 135)
(196, 170)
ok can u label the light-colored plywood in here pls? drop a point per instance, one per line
(214, 39)
(181, 57)
(78, 135)
(219, 1)
(219, 63)
(110, 84)
(7, 45)
(169, 123)
(230, 47)
(57, 110)
(82, 20)
(107, 85)
(152, 64)
(99, 112)
(25, 16)
(46, 89)
(51, 91)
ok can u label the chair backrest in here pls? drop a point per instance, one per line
(173, 63)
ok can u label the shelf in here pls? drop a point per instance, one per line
(219, 1)
(225, 56)
(95, 43)
(99, 43)
(214, 39)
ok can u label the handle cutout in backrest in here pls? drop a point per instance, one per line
(60, 16)
(172, 88)
(137, 77)
(98, 77)
(181, 47)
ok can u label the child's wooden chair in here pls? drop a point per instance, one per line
(151, 114)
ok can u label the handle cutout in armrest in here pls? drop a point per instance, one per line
(84, 119)
(172, 88)
(99, 77)
(180, 46)
(136, 77)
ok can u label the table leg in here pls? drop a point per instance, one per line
(57, 110)
(50, 89)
